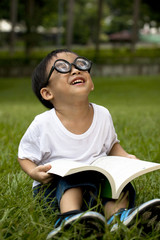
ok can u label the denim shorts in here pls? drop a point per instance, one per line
(91, 183)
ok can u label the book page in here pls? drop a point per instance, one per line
(123, 170)
(64, 168)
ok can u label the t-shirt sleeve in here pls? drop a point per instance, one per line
(29, 147)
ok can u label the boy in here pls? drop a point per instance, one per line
(73, 129)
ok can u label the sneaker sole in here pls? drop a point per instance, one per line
(89, 219)
(148, 214)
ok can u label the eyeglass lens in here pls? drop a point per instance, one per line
(62, 66)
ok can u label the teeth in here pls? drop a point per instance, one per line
(77, 81)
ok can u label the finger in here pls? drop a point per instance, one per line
(44, 168)
(48, 179)
(132, 156)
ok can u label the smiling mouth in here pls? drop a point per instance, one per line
(78, 81)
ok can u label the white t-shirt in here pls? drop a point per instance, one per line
(47, 139)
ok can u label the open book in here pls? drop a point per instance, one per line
(119, 171)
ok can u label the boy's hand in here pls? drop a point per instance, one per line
(40, 174)
(117, 150)
(131, 156)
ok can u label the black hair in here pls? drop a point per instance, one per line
(39, 76)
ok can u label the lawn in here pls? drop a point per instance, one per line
(134, 103)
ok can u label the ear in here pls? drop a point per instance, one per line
(92, 88)
(46, 94)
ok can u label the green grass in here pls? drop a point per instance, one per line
(134, 103)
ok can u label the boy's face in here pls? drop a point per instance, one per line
(67, 87)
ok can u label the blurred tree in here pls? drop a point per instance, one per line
(30, 26)
(70, 23)
(4, 14)
(31, 14)
(152, 10)
(38, 13)
(121, 15)
(4, 9)
(135, 27)
(85, 21)
(99, 17)
(29, 20)
(87, 27)
(13, 14)
(60, 23)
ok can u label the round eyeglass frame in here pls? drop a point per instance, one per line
(70, 67)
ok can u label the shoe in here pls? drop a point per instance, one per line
(90, 219)
(148, 213)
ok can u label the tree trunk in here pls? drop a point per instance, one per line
(60, 23)
(70, 23)
(135, 29)
(29, 27)
(13, 17)
(98, 30)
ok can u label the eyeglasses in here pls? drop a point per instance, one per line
(63, 66)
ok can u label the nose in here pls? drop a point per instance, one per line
(74, 70)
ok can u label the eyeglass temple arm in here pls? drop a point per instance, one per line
(50, 73)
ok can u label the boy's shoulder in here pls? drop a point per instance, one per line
(41, 122)
(44, 116)
(100, 109)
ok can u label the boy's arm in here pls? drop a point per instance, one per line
(117, 150)
(38, 173)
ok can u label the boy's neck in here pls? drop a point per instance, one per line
(76, 110)
(76, 118)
